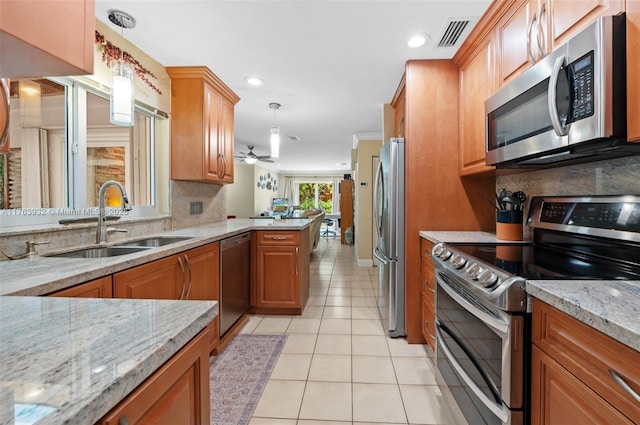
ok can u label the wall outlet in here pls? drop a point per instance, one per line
(195, 208)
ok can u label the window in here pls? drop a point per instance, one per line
(316, 195)
(63, 148)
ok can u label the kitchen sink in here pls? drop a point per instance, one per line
(101, 252)
(154, 242)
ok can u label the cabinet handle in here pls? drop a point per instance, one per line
(123, 420)
(4, 88)
(297, 271)
(542, 50)
(624, 385)
(534, 20)
(278, 238)
(186, 259)
(426, 328)
(224, 166)
(426, 282)
(183, 277)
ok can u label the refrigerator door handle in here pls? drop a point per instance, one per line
(380, 256)
(375, 200)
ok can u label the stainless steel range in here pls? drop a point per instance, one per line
(483, 324)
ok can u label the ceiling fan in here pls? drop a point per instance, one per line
(252, 158)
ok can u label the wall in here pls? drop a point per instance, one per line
(262, 197)
(240, 194)
(363, 216)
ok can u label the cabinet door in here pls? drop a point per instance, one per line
(161, 279)
(570, 16)
(99, 288)
(225, 142)
(633, 69)
(278, 276)
(559, 398)
(178, 393)
(477, 83)
(203, 266)
(514, 36)
(213, 161)
(46, 38)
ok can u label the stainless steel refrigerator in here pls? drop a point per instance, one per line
(388, 206)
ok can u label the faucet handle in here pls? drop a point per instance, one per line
(31, 246)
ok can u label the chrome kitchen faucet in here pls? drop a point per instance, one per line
(102, 230)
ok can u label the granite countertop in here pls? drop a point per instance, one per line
(612, 307)
(463, 237)
(40, 275)
(71, 360)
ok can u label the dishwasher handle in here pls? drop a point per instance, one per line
(233, 241)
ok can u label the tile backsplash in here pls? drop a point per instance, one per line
(620, 176)
(212, 197)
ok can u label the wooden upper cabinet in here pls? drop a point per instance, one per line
(633, 70)
(477, 83)
(202, 110)
(53, 37)
(520, 39)
(567, 17)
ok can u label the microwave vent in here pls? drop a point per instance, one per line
(452, 32)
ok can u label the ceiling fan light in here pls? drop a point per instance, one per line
(250, 160)
(275, 142)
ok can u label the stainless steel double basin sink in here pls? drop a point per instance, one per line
(122, 248)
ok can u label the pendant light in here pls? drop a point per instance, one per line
(275, 133)
(122, 75)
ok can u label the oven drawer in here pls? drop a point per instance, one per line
(590, 356)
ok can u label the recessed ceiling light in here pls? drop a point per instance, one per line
(418, 40)
(254, 81)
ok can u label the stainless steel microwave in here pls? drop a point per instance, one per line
(569, 107)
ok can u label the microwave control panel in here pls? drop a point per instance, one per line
(581, 72)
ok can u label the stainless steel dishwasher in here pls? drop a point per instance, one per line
(235, 264)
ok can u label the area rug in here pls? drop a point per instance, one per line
(239, 375)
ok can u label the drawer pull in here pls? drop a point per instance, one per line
(278, 238)
(624, 385)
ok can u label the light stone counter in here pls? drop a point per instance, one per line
(71, 360)
(463, 237)
(38, 275)
(612, 307)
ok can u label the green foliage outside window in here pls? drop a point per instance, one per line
(316, 195)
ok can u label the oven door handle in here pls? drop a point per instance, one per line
(502, 328)
(496, 407)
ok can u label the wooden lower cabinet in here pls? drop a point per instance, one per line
(177, 393)
(190, 275)
(561, 398)
(98, 288)
(280, 283)
(160, 279)
(572, 373)
(203, 266)
(633, 70)
(428, 294)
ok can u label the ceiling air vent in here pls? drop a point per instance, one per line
(452, 32)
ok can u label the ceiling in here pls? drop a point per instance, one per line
(330, 64)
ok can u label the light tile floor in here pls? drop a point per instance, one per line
(338, 367)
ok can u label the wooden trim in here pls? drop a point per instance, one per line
(204, 73)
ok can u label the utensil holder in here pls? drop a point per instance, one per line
(509, 225)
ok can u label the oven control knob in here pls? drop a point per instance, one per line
(476, 276)
(473, 269)
(437, 250)
(458, 261)
(445, 254)
(487, 278)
